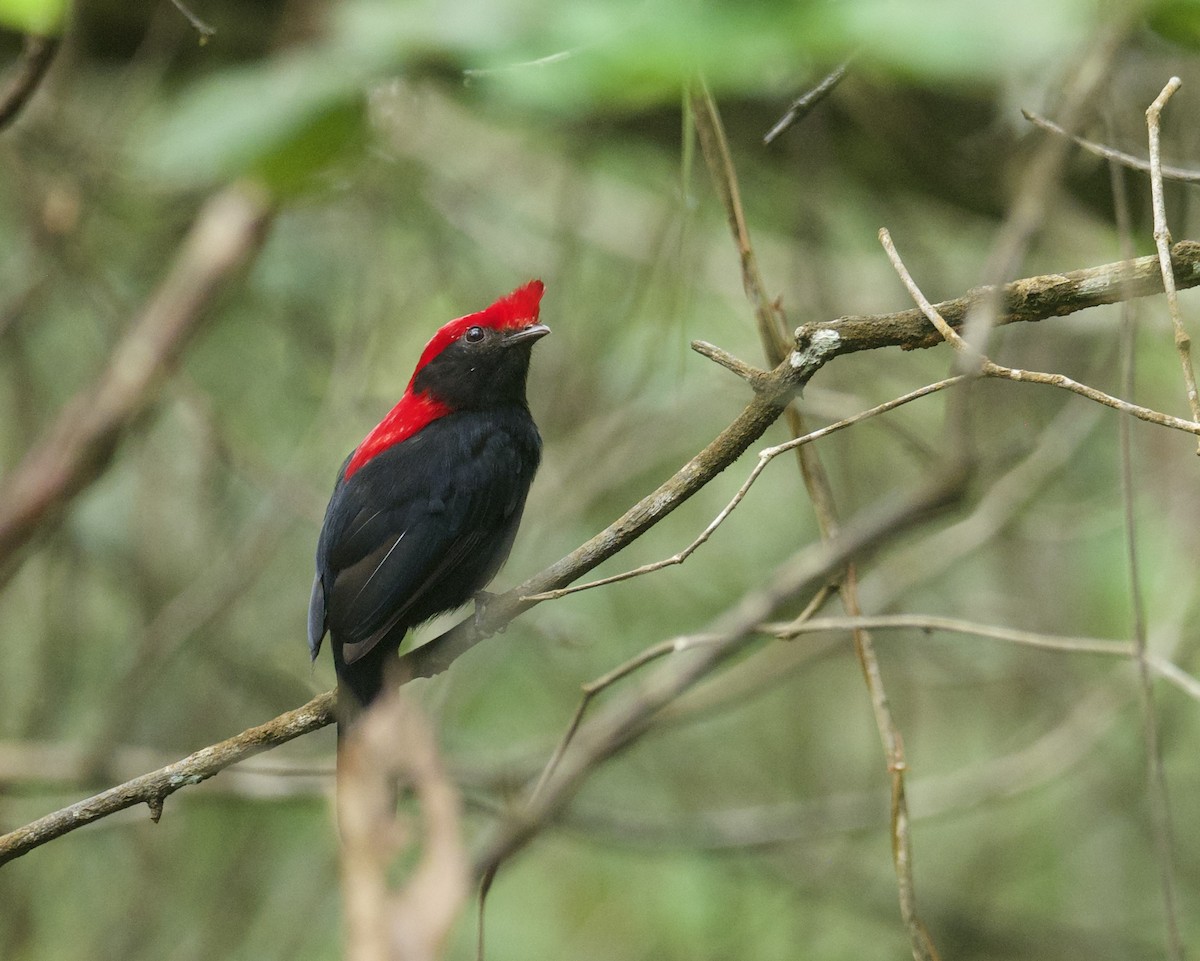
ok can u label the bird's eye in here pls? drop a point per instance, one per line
(473, 335)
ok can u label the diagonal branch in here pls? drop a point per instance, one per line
(79, 446)
(154, 788)
(814, 345)
(611, 731)
(36, 56)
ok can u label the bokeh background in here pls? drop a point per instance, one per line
(428, 157)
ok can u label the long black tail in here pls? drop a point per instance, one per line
(359, 684)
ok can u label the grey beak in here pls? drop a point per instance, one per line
(532, 332)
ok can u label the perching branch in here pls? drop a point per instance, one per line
(154, 788)
(1054, 295)
(79, 446)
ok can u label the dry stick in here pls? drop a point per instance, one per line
(1032, 299)
(154, 788)
(716, 152)
(988, 368)
(820, 491)
(804, 104)
(198, 25)
(79, 446)
(1038, 180)
(674, 645)
(1162, 240)
(1109, 153)
(413, 922)
(36, 56)
(765, 456)
(1029, 300)
(1161, 666)
(1160, 805)
(628, 717)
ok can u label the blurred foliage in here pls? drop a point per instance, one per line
(430, 156)
(41, 17)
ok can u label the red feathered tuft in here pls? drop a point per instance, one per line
(415, 411)
(518, 309)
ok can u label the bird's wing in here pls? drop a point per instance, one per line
(384, 611)
(316, 616)
(403, 561)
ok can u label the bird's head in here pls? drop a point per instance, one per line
(482, 360)
(472, 363)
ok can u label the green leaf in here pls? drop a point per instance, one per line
(44, 18)
(281, 122)
(1177, 21)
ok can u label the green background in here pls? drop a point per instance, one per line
(429, 157)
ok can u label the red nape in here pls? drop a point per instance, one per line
(412, 413)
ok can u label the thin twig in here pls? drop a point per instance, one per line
(1181, 174)
(154, 788)
(1159, 796)
(1056, 296)
(627, 718)
(989, 368)
(751, 375)
(1162, 240)
(198, 25)
(765, 456)
(720, 162)
(1168, 671)
(949, 334)
(37, 53)
(1091, 393)
(79, 446)
(804, 104)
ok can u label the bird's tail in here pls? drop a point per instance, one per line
(359, 687)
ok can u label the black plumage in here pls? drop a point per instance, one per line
(425, 510)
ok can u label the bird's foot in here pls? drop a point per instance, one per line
(482, 600)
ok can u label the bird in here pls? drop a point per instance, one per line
(425, 509)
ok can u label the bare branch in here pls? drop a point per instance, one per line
(1108, 153)
(36, 57)
(804, 104)
(1162, 240)
(1159, 796)
(203, 29)
(1164, 668)
(79, 446)
(610, 731)
(1022, 301)
(154, 788)
(720, 162)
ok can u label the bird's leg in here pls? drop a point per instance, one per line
(482, 600)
